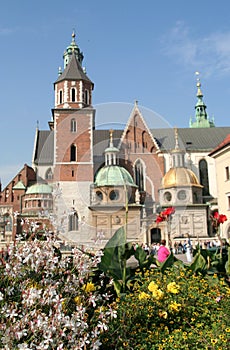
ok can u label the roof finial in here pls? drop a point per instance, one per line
(73, 35)
(176, 138)
(111, 137)
(198, 84)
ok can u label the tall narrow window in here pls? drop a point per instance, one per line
(86, 97)
(73, 153)
(60, 97)
(204, 181)
(73, 94)
(228, 201)
(49, 174)
(139, 175)
(144, 142)
(73, 221)
(73, 125)
(227, 173)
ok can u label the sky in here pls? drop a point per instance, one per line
(144, 50)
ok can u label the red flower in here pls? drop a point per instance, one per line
(169, 211)
(218, 219)
(165, 215)
(159, 219)
(222, 218)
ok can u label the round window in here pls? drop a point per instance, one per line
(99, 195)
(181, 195)
(168, 196)
(114, 195)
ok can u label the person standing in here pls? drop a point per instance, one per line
(189, 251)
(162, 252)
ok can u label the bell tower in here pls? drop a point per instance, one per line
(72, 125)
(73, 119)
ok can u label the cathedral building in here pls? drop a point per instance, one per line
(100, 180)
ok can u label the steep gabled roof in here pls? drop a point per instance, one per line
(101, 140)
(193, 139)
(136, 111)
(44, 147)
(73, 71)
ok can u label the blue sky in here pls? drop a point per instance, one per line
(134, 50)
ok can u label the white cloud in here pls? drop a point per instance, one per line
(209, 54)
(6, 31)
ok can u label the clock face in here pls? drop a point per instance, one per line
(168, 196)
(181, 195)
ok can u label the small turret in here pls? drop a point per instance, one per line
(72, 48)
(201, 117)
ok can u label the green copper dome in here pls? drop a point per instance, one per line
(39, 188)
(113, 175)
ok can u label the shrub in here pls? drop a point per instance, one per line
(49, 302)
(174, 310)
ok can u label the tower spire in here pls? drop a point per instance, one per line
(177, 153)
(72, 49)
(201, 117)
(111, 152)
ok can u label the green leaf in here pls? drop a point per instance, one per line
(227, 264)
(113, 261)
(199, 263)
(168, 262)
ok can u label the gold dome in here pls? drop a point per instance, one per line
(180, 177)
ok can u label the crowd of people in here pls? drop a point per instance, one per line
(186, 247)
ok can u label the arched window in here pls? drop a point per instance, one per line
(73, 221)
(49, 174)
(73, 153)
(73, 94)
(139, 175)
(60, 97)
(144, 142)
(203, 172)
(73, 125)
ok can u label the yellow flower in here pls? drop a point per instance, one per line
(227, 329)
(173, 288)
(77, 300)
(152, 286)
(143, 296)
(89, 287)
(158, 294)
(174, 306)
(213, 341)
(163, 314)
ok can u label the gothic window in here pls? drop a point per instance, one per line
(73, 221)
(73, 95)
(144, 142)
(139, 175)
(60, 97)
(204, 181)
(128, 141)
(49, 174)
(73, 125)
(73, 153)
